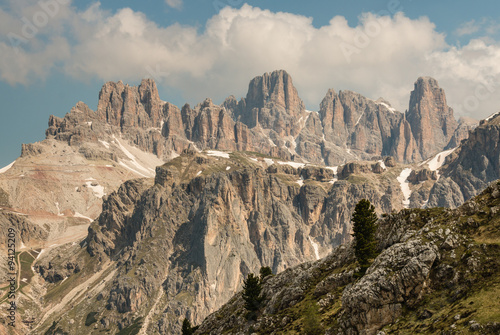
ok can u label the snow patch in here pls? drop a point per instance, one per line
(217, 153)
(359, 118)
(173, 155)
(98, 190)
(293, 144)
(392, 110)
(315, 247)
(300, 181)
(268, 161)
(40, 253)
(294, 164)
(271, 142)
(228, 168)
(89, 123)
(199, 172)
(6, 168)
(405, 186)
(58, 210)
(194, 146)
(437, 161)
(106, 144)
(253, 159)
(382, 164)
(132, 158)
(492, 116)
(133, 170)
(335, 176)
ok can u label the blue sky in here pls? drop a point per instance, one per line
(197, 49)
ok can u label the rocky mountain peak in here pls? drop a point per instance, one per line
(150, 99)
(431, 119)
(273, 103)
(207, 103)
(130, 106)
(274, 89)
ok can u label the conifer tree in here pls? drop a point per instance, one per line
(186, 327)
(264, 272)
(364, 227)
(251, 292)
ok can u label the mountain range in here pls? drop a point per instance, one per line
(140, 214)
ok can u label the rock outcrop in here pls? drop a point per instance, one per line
(24, 232)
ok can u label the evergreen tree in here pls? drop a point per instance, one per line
(186, 327)
(364, 227)
(251, 292)
(264, 272)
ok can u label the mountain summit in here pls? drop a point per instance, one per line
(431, 119)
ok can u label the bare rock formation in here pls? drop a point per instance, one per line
(431, 120)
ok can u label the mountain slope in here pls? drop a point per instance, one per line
(437, 271)
(183, 245)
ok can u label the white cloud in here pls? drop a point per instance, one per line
(468, 28)
(381, 56)
(177, 4)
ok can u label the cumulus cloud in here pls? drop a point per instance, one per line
(380, 56)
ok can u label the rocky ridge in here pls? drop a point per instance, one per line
(271, 120)
(470, 168)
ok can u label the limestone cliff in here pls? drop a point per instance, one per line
(431, 119)
(360, 124)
